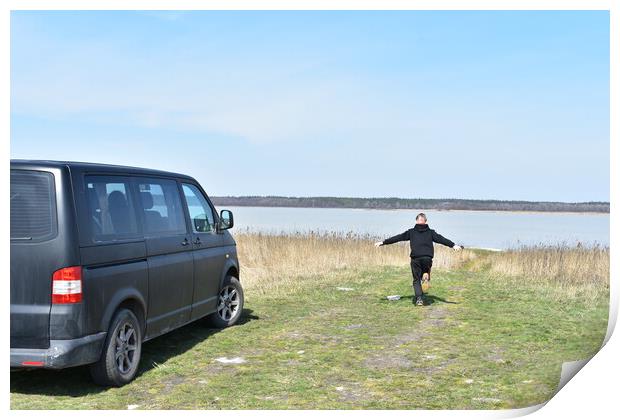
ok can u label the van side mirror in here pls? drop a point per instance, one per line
(226, 219)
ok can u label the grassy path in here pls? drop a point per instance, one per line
(480, 344)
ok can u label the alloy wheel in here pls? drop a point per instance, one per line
(228, 303)
(126, 346)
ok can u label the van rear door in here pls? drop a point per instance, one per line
(39, 206)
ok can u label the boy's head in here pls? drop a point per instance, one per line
(421, 219)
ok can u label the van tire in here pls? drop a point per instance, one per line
(222, 317)
(107, 371)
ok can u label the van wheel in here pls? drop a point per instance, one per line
(229, 304)
(121, 352)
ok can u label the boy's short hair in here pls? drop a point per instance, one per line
(421, 215)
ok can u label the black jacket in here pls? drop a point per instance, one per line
(421, 239)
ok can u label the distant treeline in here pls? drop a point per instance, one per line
(411, 203)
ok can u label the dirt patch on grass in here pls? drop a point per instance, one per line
(433, 316)
(170, 382)
(388, 361)
(437, 312)
(496, 355)
(436, 317)
(351, 392)
(430, 364)
(406, 351)
(435, 322)
(408, 337)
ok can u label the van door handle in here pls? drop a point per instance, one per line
(197, 241)
(185, 242)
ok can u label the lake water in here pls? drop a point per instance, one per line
(498, 230)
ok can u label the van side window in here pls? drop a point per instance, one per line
(33, 205)
(111, 210)
(161, 207)
(200, 211)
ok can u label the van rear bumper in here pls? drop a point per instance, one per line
(61, 353)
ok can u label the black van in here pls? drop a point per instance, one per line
(106, 257)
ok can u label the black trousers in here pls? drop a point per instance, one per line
(420, 265)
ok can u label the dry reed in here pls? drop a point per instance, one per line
(284, 262)
(570, 270)
(273, 262)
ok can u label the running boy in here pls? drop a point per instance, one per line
(421, 239)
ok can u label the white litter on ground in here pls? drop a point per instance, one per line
(469, 381)
(528, 381)
(233, 361)
(203, 382)
(393, 297)
(345, 289)
(430, 356)
(339, 388)
(301, 352)
(132, 406)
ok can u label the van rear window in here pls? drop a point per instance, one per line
(33, 205)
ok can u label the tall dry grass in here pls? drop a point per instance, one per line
(282, 262)
(274, 263)
(569, 270)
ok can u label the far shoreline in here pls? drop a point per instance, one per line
(416, 204)
(584, 213)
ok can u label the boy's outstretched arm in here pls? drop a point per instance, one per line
(445, 241)
(392, 240)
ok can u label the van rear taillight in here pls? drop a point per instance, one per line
(32, 363)
(67, 285)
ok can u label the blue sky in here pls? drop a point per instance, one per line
(489, 105)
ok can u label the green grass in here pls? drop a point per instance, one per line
(481, 344)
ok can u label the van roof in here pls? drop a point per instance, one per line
(89, 166)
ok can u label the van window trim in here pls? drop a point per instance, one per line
(54, 209)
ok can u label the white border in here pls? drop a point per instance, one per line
(312, 5)
(593, 393)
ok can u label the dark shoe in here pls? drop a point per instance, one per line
(419, 301)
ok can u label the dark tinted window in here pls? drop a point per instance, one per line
(111, 210)
(161, 207)
(33, 205)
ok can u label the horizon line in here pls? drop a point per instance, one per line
(406, 198)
